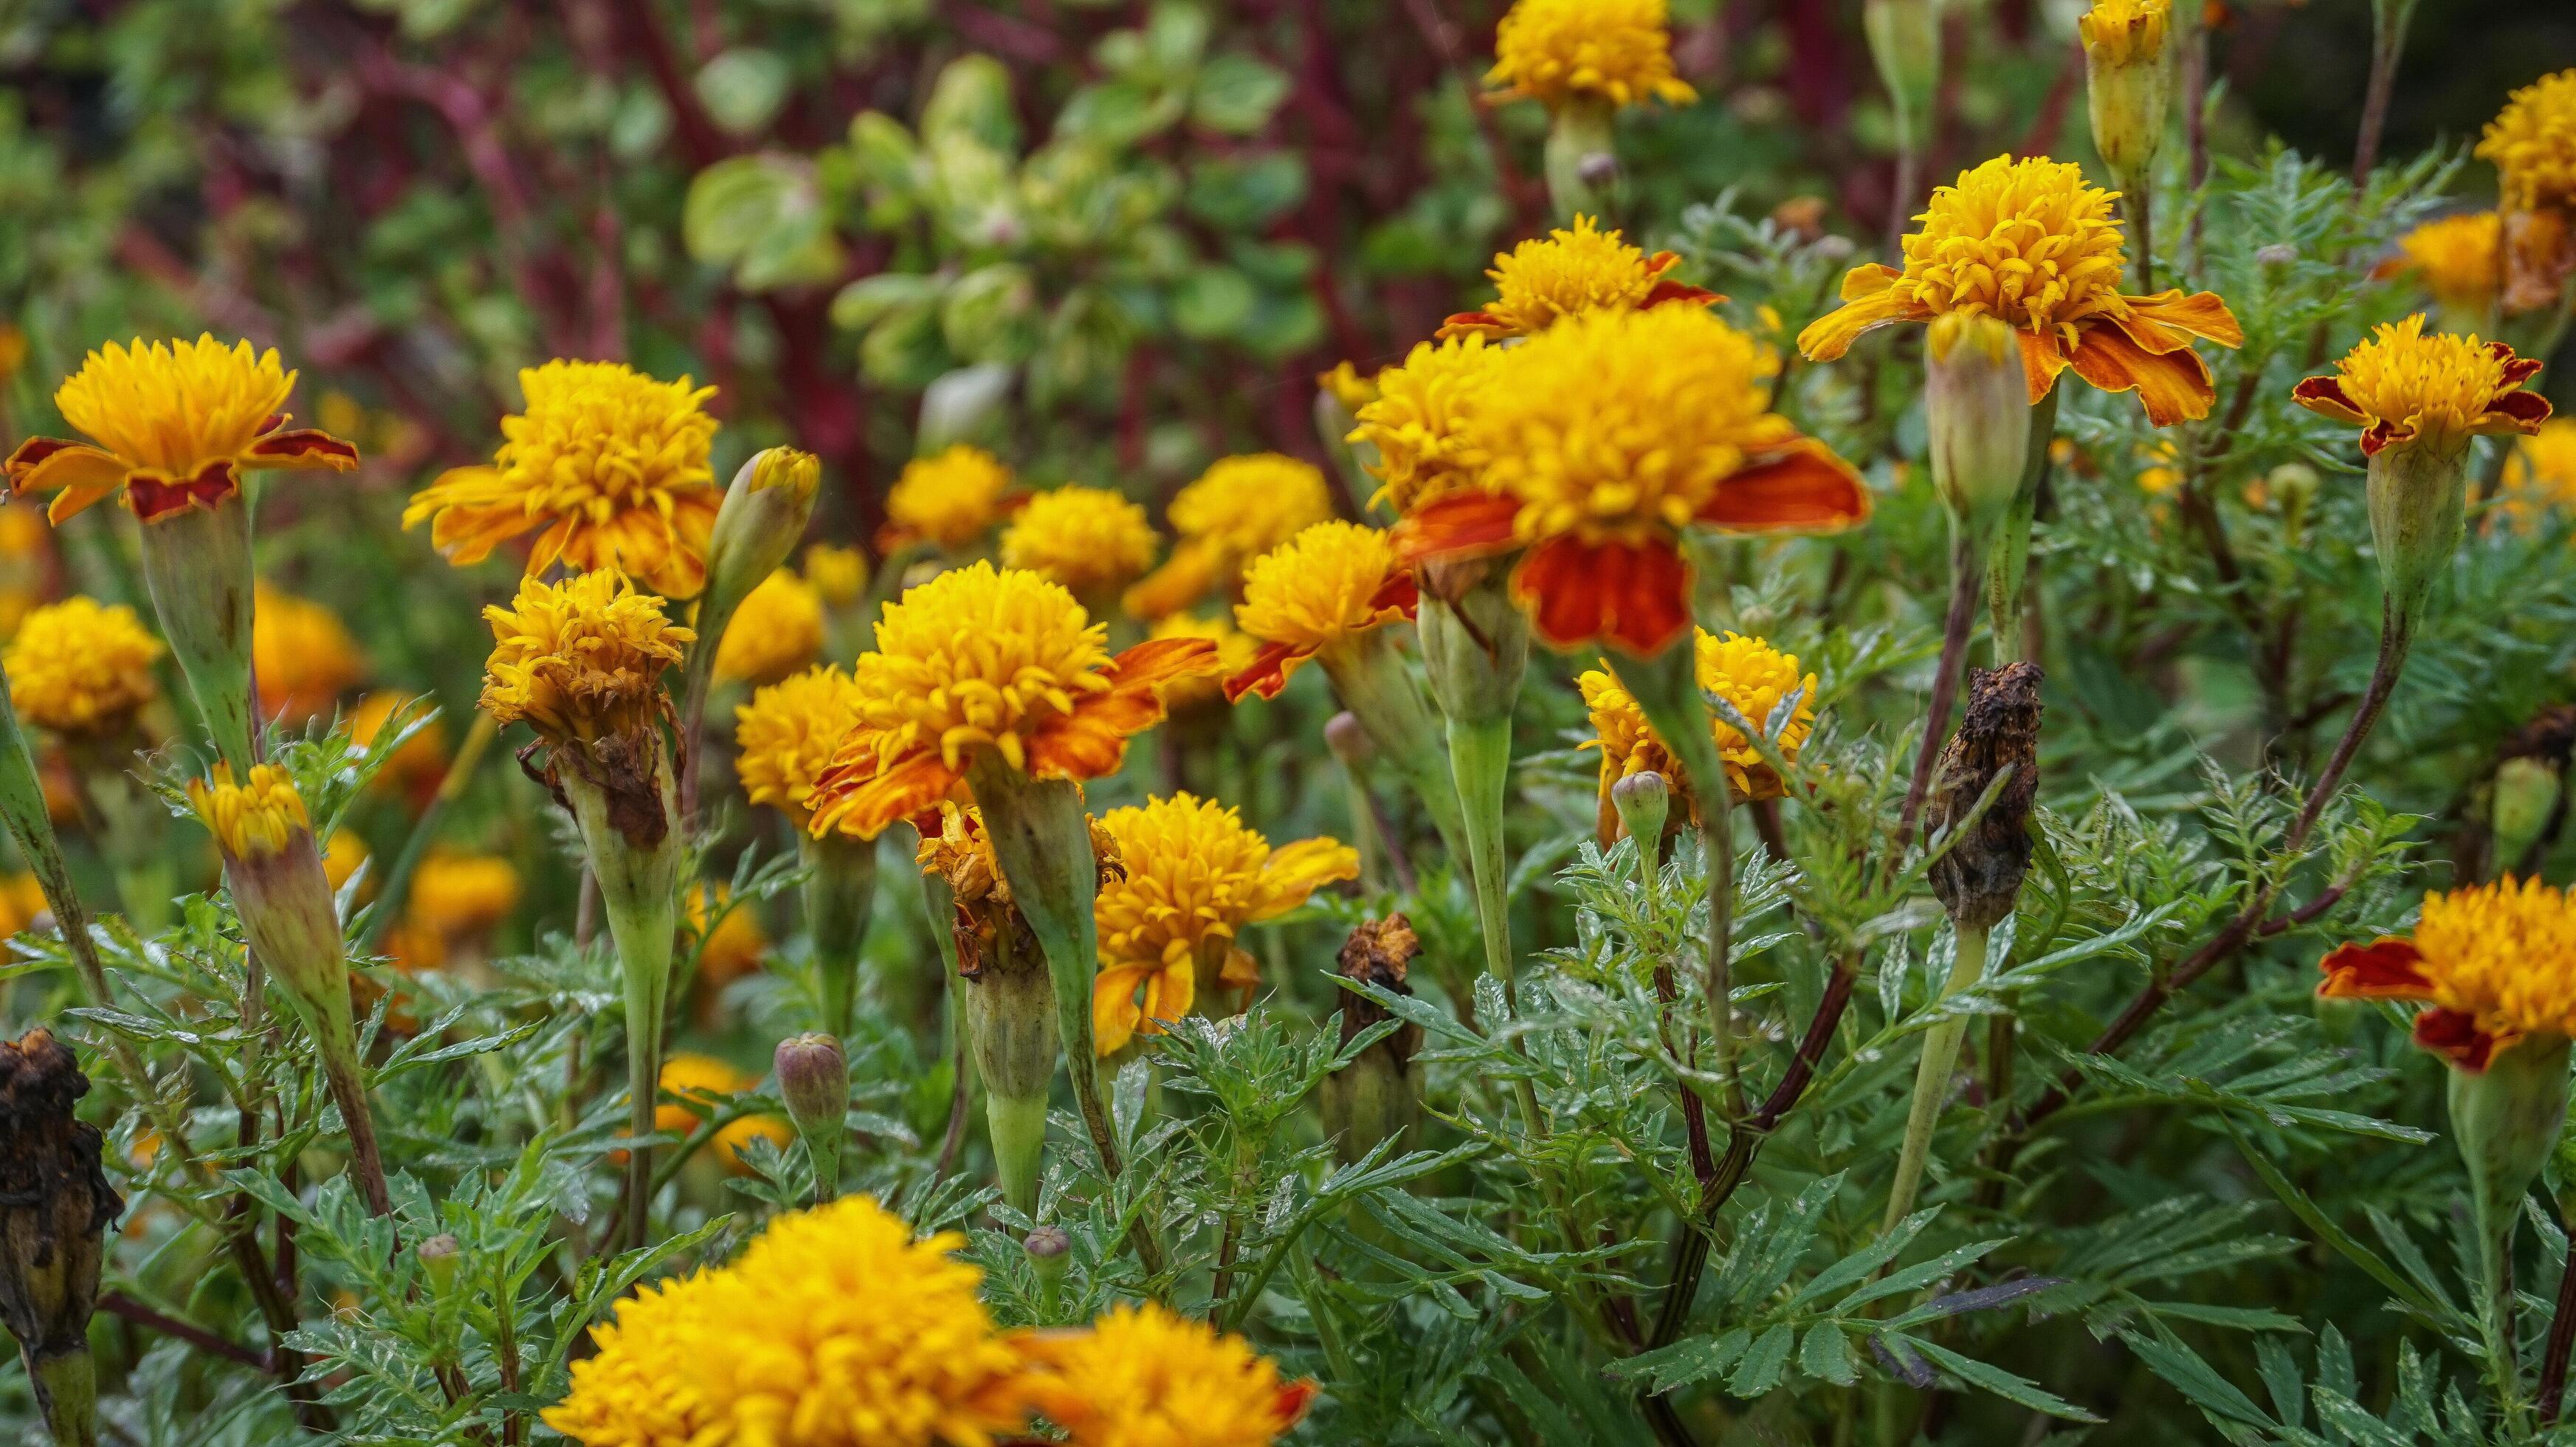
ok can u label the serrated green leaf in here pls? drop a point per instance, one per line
(1763, 1362)
(1826, 1354)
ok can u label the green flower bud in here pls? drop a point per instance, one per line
(762, 519)
(1905, 44)
(439, 1258)
(2128, 69)
(1976, 406)
(2526, 793)
(1644, 802)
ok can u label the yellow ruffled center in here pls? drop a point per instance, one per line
(785, 737)
(1146, 1377)
(2532, 144)
(601, 438)
(1087, 538)
(1748, 673)
(79, 667)
(1315, 588)
(2438, 384)
(1418, 420)
(2026, 241)
(253, 820)
(580, 659)
(175, 406)
(1246, 506)
(951, 498)
(2504, 953)
(1541, 282)
(1614, 51)
(1195, 875)
(2126, 32)
(979, 657)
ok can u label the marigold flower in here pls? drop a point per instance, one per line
(580, 659)
(1145, 1377)
(839, 574)
(257, 819)
(1089, 539)
(1614, 51)
(1746, 672)
(80, 667)
(2532, 145)
(951, 498)
(175, 425)
(1602, 439)
(2125, 32)
(2539, 476)
(1327, 583)
(785, 737)
(2494, 964)
(419, 763)
(1195, 875)
(1418, 417)
(611, 463)
(778, 631)
(982, 659)
(731, 943)
(457, 894)
(2401, 385)
(834, 1329)
(712, 1084)
(2029, 242)
(2457, 258)
(302, 656)
(1568, 274)
(1234, 652)
(2128, 79)
(1238, 509)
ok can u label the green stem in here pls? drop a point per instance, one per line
(2008, 563)
(1480, 761)
(1371, 680)
(1018, 1125)
(197, 566)
(840, 896)
(639, 887)
(67, 1387)
(1932, 1076)
(1667, 691)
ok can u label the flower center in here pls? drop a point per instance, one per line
(175, 406)
(2024, 241)
(253, 820)
(980, 656)
(602, 435)
(2504, 953)
(1317, 587)
(2439, 383)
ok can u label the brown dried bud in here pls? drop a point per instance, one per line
(1374, 1097)
(55, 1208)
(1980, 876)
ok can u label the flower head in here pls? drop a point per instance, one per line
(1419, 416)
(1539, 283)
(2457, 258)
(784, 738)
(1327, 583)
(835, 1328)
(174, 424)
(254, 820)
(983, 661)
(839, 575)
(580, 659)
(301, 654)
(1238, 509)
(2401, 385)
(1144, 1377)
(1090, 539)
(611, 463)
(731, 943)
(342, 856)
(951, 498)
(1749, 674)
(1614, 51)
(1604, 437)
(2539, 476)
(1195, 875)
(1234, 653)
(2494, 963)
(777, 631)
(2125, 32)
(456, 894)
(707, 1086)
(80, 667)
(2532, 145)
(2028, 242)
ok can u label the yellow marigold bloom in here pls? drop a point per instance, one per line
(2400, 385)
(255, 820)
(2538, 477)
(1418, 417)
(2493, 963)
(712, 1084)
(833, 1329)
(419, 764)
(1089, 539)
(610, 462)
(1347, 386)
(2125, 32)
(1234, 653)
(1145, 1377)
(301, 655)
(2532, 144)
(176, 424)
(1327, 583)
(1746, 672)
(777, 631)
(839, 575)
(1618, 52)
(1238, 509)
(1195, 876)
(1606, 436)
(2028, 242)
(784, 738)
(454, 894)
(734, 944)
(982, 660)
(2456, 258)
(78, 667)
(342, 854)
(951, 498)
(1570, 273)
(580, 659)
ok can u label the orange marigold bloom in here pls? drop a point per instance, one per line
(1327, 583)
(1604, 437)
(1238, 509)
(1540, 282)
(2494, 964)
(174, 424)
(1748, 673)
(2027, 241)
(2457, 258)
(984, 661)
(951, 498)
(1145, 1377)
(1613, 52)
(2400, 385)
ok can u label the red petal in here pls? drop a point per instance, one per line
(305, 447)
(2517, 370)
(1634, 597)
(1467, 524)
(2527, 409)
(1665, 292)
(2325, 395)
(2384, 434)
(1290, 1405)
(2384, 969)
(152, 498)
(1805, 489)
(2457, 1038)
(1398, 592)
(1467, 324)
(1266, 676)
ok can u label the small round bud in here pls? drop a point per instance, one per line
(2293, 486)
(1976, 412)
(1644, 802)
(1048, 1242)
(2279, 253)
(814, 1077)
(439, 1257)
(1349, 741)
(2526, 794)
(1598, 169)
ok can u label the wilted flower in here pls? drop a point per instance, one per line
(1332, 581)
(1617, 52)
(950, 499)
(79, 668)
(1569, 274)
(611, 463)
(1979, 878)
(2027, 241)
(1090, 539)
(778, 630)
(1746, 672)
(1142, 1375)
(581, 659)
(1240, 508)
(302, 657)
(56, 1208)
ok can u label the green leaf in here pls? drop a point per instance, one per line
(2333, 1235)
(1827, 1354)
(863, 302)
(1760, 1370)
(1991, 1378)
(765, 217)
(744, 88)
(1245, 193)
(972, 97)
(2179, 1365)
(1212, 302)
(1686, 1362)
(1236, 94)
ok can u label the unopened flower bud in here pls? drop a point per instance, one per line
(1979, 878)
(1905, 44)
(2527, 791)
(55, 1211)
(439, 1257)
(2279, 253)
(1644, 802)
(1349, 740)
(762, 519)
(2129, 81)
(1375, 1097)
(814, 1077)
(2293, 489)
(1976, 405)
(1046, 1243)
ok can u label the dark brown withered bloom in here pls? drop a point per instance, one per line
(1980, 877)
(55, 1208)
(1374, 1097)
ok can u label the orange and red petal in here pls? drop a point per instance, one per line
(2201, 313)
(1289, 1407)
(1829, 336)
(1670, 293)
(1461, 525)
(1633, 597)
(1267, 673)
(2042, 358)
(1804, 489)
(1162, 660)
(2384, 969)
(156, 495)
(303, 449)
(2325, 397)
(2514, 412)
(77, 473)
(2517, 370)
(2175, 386)
(850, 799)
(2382, 435)
(2454, 1035)
(1472, 324)
(1398, 597)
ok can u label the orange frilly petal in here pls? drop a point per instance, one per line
(1633, 597)
(2201, 314)
(2384, 969)
(1240, 970)
(1294, 872)
(2325, 397)
(2043, 356)
(1091, 740)
(1267, 673)
(1805, 488)
(154, 495)
(862, 797)
(1868, 303)
(2454, 1035)
(1472, 324)
(1465, 524)
(79, 473)
(2174, 385)
(1114, 1012)
(301, 449)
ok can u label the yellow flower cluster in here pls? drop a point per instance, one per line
(2023, 241)
(951, 498)
(82, 668)
(979, 657)
(2401, 384)
(839, 575)
(2125, 32)
(2504, 954)
(1319, 587)
(1089, 539)
(454, 894)
(2532, 144)
(1564, 274)
(777, 630)
(2457, 258)
(253, 820)
(711, 1084)
(175, 406)
(1746, 672)
(1617, 52)
(301, 654)
(1145, 1377)
(1419, 414)
(2540, 475)
(785, 737)
(580, 659)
